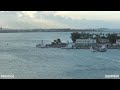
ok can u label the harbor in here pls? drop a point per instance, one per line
(22, 58)
(59, 44)
(86, 41)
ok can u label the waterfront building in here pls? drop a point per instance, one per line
(118, 41)
(103, 41)
(85, 42)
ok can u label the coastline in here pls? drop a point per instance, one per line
(48, 30)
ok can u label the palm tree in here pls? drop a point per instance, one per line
(75, 35)
(55, 41)
(97, 38)
(100, 34)
(58, 40)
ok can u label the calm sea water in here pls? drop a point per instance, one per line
(20, 57)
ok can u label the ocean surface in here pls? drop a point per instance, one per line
(20, 57)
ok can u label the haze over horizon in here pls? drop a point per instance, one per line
(60, 19)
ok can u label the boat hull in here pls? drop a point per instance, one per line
(102, 50)
(66, 48)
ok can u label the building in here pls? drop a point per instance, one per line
(103, 41)
(118, 41)
(85, 41)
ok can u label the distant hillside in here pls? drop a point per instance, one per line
(103, 29)
(47, 30)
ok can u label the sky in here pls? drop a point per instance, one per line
(60, 19)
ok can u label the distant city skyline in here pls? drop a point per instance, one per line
(60, 19)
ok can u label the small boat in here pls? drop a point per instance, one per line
(93, 49)
(42, 45)
(102, 49)
(68, 46)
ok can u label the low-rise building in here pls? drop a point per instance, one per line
(103, 41)
(118, 41)
(85, 41)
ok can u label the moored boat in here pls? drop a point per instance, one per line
(68, 46)
(93, 49)
(102, 49)
(42, 45)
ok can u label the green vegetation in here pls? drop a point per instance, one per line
(75, 36)
(110, 36)
(55, 42)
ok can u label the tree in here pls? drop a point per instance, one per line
(74, 36)
(103, 37)
(55, 41)
(58, 40)
(97, 38)
(112, 37)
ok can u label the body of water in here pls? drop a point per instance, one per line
(20, 57)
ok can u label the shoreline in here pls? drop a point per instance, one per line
(78, 47)
(43, 31)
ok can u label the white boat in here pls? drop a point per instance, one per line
(68, 46)
(102, 49)
(42, 45)
(93, 50)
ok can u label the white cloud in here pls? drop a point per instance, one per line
(30, 14)
(39, 20)
(47, 13)
(2, 11)
(90, 15)
(57, 19)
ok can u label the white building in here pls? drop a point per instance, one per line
(103, 41)
(86, 41)
(118, 41)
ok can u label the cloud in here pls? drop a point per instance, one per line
(60, 19)
(43, 19)
(91, 15)
(27, 13)
(47, 13)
